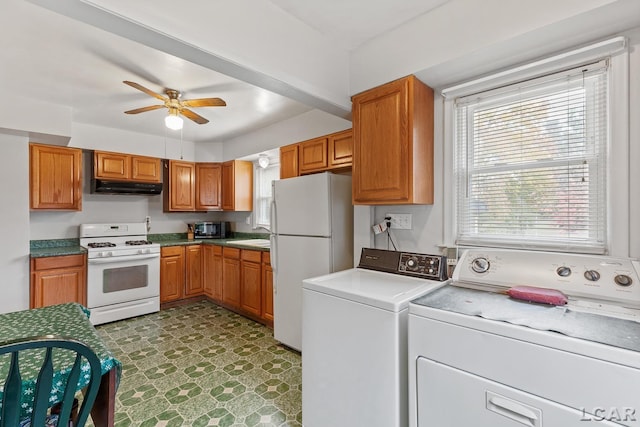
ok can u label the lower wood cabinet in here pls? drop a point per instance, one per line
(58, 280)
(180, 272)
(212, 272)
(172, 277)
(267, 289)
(231, 277)
(238, 279)
(251, 282)
(193, 271)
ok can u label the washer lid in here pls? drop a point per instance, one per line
(387, 291)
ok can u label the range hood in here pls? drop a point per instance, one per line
(103, 186)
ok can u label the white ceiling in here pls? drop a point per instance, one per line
(350, 23)
(49, 57)
(52, 57)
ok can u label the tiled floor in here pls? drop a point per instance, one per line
(201, 365)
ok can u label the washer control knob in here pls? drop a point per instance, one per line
(623, 280)
(563, 271)
(592, 275)
(480, 265)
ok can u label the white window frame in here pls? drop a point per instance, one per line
(617, 204)
(257, 194)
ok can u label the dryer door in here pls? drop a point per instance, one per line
(449, 397)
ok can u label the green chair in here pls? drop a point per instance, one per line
(82, 364)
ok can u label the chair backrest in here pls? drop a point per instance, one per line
(86, 365)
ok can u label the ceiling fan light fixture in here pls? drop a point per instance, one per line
(263, 160)
(173, 121)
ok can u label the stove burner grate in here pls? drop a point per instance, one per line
(101, 245)
(137, 242)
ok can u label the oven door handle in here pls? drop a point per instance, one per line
(122, 258)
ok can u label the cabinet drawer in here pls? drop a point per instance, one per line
(253, 256)
(171, 251)
(266, 257)
(231, 252)
(217, 250)
(48, 263)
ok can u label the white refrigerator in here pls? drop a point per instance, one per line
(312, 235)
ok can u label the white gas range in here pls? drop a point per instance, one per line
(478, 357)
(123, 273)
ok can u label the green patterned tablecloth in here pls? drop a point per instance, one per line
(65, 320)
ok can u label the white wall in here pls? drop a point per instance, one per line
(305, 126)
(14, 226)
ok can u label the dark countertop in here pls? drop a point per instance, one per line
(60, 247)
(218, 242)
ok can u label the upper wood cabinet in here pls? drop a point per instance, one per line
(126, 167)
(340, 149)
(326, 153)
(289, 161)
(313, 155)
(208, 186)
(237, 185)
(146, 169)
(55, 177)
(393, 144)
(180, 193)
(58, 280)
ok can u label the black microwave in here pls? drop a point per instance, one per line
(211, 230)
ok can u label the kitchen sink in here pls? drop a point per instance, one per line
(260, 243)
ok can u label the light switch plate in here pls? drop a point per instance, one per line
(400, 221)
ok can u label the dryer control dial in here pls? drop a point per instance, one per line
(480, 265)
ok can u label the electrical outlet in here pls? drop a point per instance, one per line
(400, 221)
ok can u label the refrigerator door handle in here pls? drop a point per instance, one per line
(274, 263)
(273, 239)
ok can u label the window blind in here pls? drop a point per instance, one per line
(264, 194)
(531, 163)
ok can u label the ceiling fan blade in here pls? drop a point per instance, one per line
(144, 109)
(193, 116)
(145, 90)
(204, 102)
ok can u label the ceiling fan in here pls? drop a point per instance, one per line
(176, 106)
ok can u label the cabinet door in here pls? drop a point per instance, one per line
(267, 289)
(237, 185)
(212, 272)
(340, 148)
(171, 273)
(393, 144)
(217, 275)
(289, 161)
(231, 277)
(313, 155)
(207, 270)
(146, 169)
(193, 271)
(55, 177)
(111, 165)
(58, 287)
(58, 280)
(251, 283)
(181, 194)
(208, 186)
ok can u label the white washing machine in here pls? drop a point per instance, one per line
(354, 339)
(480, 358)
